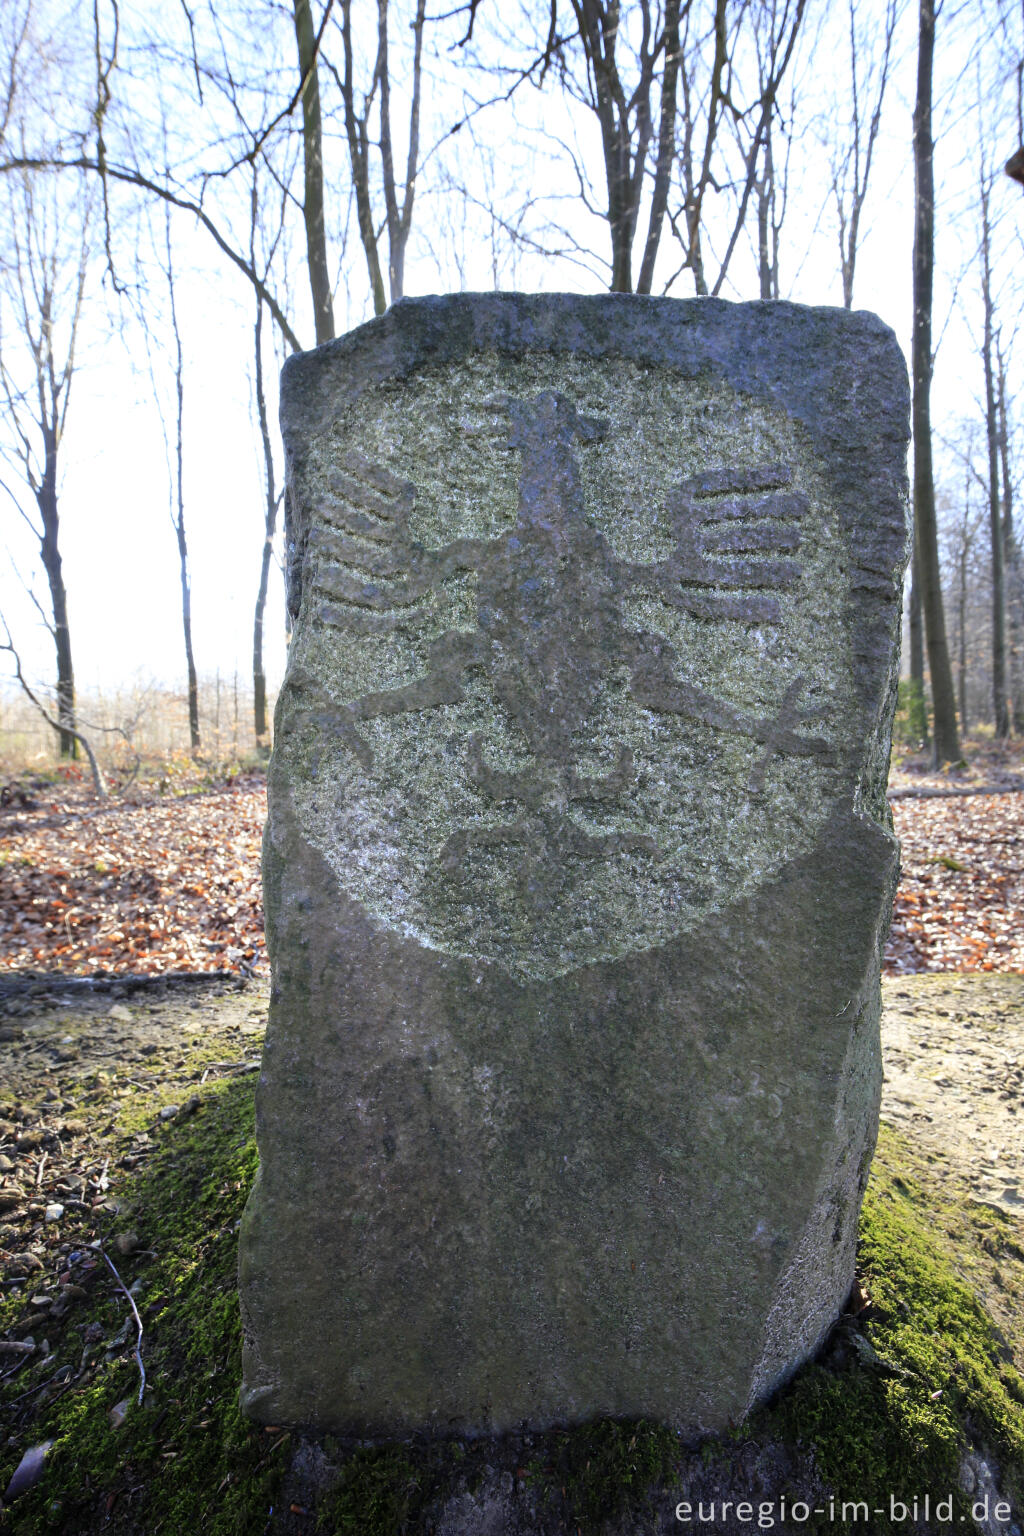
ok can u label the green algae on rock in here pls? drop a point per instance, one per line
(577, 864)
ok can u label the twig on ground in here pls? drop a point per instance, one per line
(47, 1382)
(21, 1349)
(137, 1351)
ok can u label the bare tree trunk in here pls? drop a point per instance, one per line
(964, 551)
(768, 225)
(179, 520)
(1000, 709)
(46, 500)
(764, 195)
(259, 677)
(313, 193)
(626, 119)
(695, 188)
(918, 699)
(916, 625)
(398, 203)
(399, 219)
(598, 26)
(1013, 567)
(186, 590)
(947, 746)
(962, 595)
(666, 147)
(43, 305)
(853, 170)
(98, 779)
(359, 158)
(780, 53)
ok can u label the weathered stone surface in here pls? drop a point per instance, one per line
(578, 863)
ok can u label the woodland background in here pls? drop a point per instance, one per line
(190, 191)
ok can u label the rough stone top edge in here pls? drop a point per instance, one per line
(697, 335)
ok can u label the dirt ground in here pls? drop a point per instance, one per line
(54, 1033)
(72, 1057)
(953, 1050)
(954, 1077)
(76, 1060)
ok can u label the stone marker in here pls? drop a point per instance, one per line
(578, 864)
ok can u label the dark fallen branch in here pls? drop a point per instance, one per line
(936, 792)
(112, 983)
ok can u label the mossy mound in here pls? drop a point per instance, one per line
(897, 1397)
(900, 1393)
(186, 1460)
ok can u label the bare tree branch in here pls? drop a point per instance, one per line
(104, 69)
(313, 166)
(136, 178)
(59, 726)
(261, 138)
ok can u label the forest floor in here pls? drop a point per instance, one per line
(126, 1154)
(953, 1048)
(166, 877)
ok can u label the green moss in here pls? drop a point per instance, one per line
(581, 1476)
(601, 1470)
(887, 1410)
(931, 1367)
(187, 1460)
(948, 862)
(378, 1491)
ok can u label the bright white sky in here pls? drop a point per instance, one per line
(120, 555)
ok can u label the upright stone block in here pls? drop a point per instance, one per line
(578, 865)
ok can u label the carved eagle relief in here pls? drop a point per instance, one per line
(526, 854)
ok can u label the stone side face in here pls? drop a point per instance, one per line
(578, 865)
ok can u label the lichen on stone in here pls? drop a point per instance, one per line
(704, 813)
